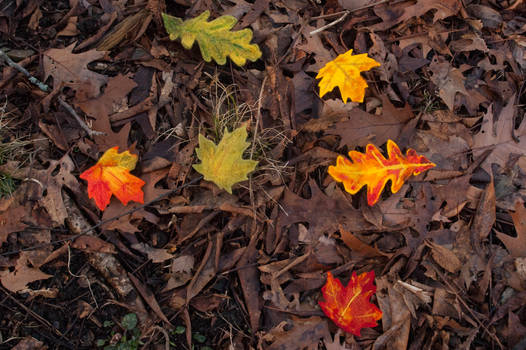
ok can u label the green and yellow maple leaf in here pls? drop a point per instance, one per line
(223, 164)
(215, 39)
(344, 72)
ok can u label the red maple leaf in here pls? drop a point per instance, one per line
(111, 175)
(349, 307)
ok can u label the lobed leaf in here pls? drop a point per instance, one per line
(344, 72)
(349, 307)
(111, 175)
(215, 39)
(373, 170)
(223, 164)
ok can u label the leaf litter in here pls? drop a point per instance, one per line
(205, 268)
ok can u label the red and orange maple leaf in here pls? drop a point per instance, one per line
(111, 175)
(349, 307)
(373, 170)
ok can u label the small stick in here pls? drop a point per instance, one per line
(24, 71)
(345, 14)
(83, 125)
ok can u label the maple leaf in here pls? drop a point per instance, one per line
(344, 72)
(111, 175)
(223, 164)
(349, 307)
(374, 170)
(215, 39)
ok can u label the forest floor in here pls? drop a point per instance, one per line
(199, 268)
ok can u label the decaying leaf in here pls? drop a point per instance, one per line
(516, 245)
(215, 39)
(71, 70)
(111, 175)
(344, 72)
(373, 170)
(349, 307)
(22, 275)
(223, 164)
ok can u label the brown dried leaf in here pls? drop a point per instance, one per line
(516, 245)
(11, 221)
(91, 244)
(362, 128)
(22, 275)
(154, 254)
(71, 70)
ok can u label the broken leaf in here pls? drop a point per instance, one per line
(374, 170)
(215, 39)
(349, 307)
(223, 164)
(344, 72)
(111, 175)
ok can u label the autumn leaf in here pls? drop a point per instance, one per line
(111, 175)
(344, 72)
(215, 39)
(371, 169)
(223, 164)
(349, 307)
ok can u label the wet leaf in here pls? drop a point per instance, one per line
(373, 170)
(111, 175)
(349, 307)
(223, 164)
(344, 72)
(215, 39)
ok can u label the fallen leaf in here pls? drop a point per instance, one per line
(356, 245)
(223, 164)
(301, 333)
(215, 39)
(91, 244)
(337, 211)
(392, 16)
(11, 221)
(71, 70)
(22, 275)
(516, 245)
(349, 308)
(111, 175)
(449, 81)
(362, 127)
(156, 255)
(500, 136)
(373, 170)
(113, 100)
(344, 72)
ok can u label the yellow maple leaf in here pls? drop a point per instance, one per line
(344, 72)
(216, 40)
(223, 164)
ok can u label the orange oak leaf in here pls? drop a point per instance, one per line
(371, 169)
(349, 307)
(344, 72)
(111, 175)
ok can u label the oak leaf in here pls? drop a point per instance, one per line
(344, 72)
(373, 170)
(111, 175)
(223, 164)
(215, 39)
(349, 307)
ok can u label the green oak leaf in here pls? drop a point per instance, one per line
(223, 164)
(215, 39)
